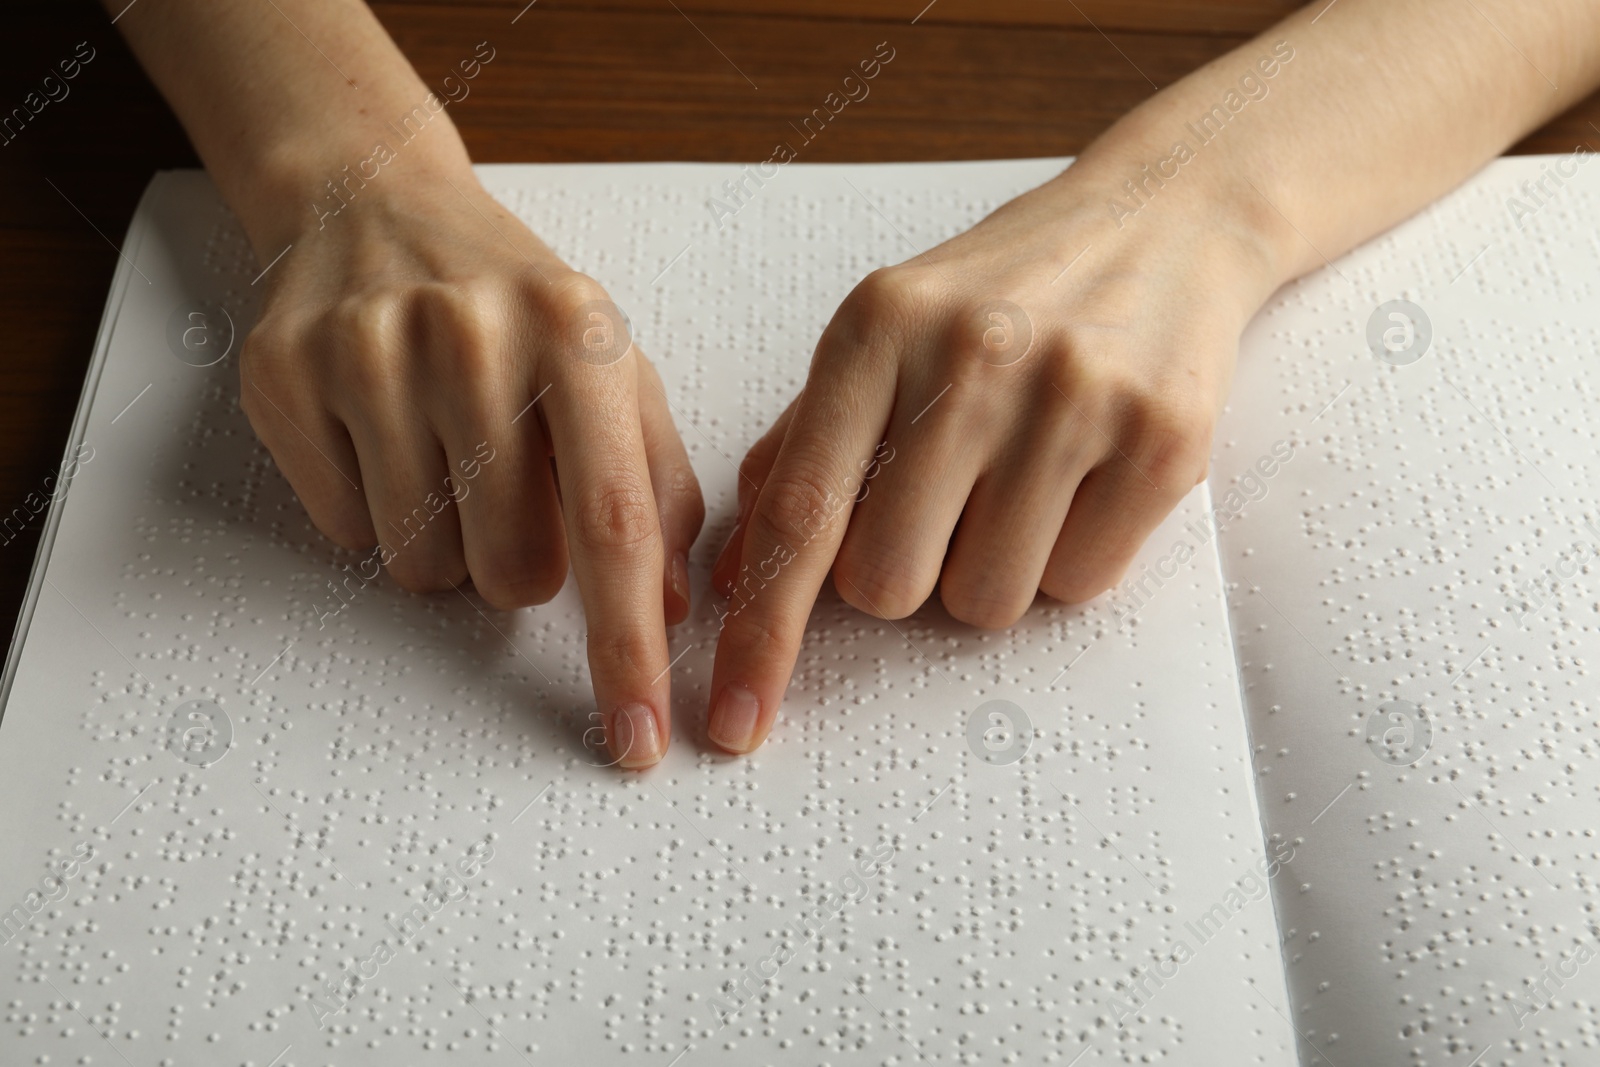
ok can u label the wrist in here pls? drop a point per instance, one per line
(1143, 191)
(300, 185)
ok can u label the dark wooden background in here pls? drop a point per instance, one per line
(577, 80)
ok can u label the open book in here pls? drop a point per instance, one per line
(1319, 784)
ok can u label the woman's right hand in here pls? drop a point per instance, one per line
(435, 382)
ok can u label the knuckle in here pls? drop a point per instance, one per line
(680, 484)
(263, 347)
(566, 298)
(756, 465)
(985, 608)
(343, 519)
(422, 573)
(886, 300)
(460, 328)
(967, 327)
(373, 317)
(797, 502)
(900, 286)
(516, 584)
(614, 515)
(628, 654)
(991, 328)
(1077, 584)
(368, 333)
(1071, 380)
(1169, 437)
(581, 320)
(347, 532)
(878, 582)
(757, 636)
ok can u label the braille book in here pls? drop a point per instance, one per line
(1317, 784)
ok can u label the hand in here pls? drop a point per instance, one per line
(393, 375)
(994, 417)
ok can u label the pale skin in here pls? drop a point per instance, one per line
(421, 320)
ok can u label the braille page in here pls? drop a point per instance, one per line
(1414, 597)
(297, 827)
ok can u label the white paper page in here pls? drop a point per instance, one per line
(370, 756)
(1441, 903)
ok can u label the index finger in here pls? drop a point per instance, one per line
(790, 541)
(613, 529)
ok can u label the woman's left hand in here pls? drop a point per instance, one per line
(1011, 412)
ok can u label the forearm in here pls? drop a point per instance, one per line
(1381, 107)
(279, 98)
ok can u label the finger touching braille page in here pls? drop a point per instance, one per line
(260, 805)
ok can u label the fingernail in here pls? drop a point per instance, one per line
(632, 736)
(680, 577)
(733, 720)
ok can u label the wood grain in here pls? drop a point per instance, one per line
(574, 80)
(1155, 16)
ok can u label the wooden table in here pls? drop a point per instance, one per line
(578, 80)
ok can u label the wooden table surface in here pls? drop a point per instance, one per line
(577, 80)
